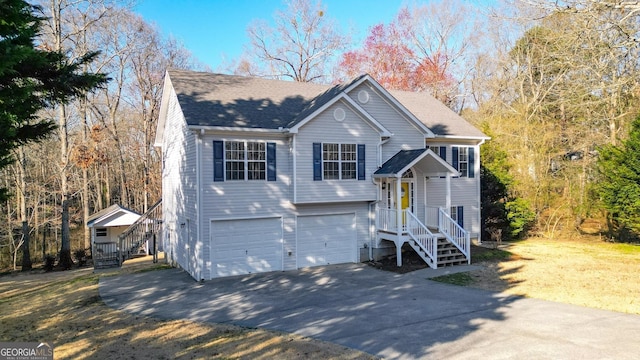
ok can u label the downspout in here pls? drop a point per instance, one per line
(372, 233)
(201, 261)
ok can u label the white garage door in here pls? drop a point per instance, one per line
(326, 239)
(246, 246)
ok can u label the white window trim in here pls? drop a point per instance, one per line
(245, 160)
(340, 161)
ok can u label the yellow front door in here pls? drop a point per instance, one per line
(405, 200)
(404, 192)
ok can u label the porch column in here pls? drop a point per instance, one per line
(399, 224)
(447, 201)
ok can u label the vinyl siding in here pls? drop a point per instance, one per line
(178, 183)
(464, 191)
(325, 129)
(406, 136)
(243, 199)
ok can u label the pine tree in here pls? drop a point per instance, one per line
(32, 79)
(619, 185)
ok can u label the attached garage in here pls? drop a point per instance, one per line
(326, 239)
(246, 246)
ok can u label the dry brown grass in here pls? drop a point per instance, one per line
(65, 309)
(580, 270)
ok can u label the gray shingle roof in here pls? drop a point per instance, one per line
(399, 161)
(208, 99)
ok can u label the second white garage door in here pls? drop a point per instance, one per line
(326, 239)
(246, 246)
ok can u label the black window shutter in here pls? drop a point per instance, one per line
(317, 161)
(471, 167)
(218, 161)
(271, 161)
(460, 214)
(454, 157)
(361, 161)
(443, 153)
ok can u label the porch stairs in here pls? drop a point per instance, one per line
(447, 245)
(131, 242)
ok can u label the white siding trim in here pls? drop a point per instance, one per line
(292, 149)
(388, 97)
(367, 117)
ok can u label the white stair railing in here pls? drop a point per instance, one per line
(423, 237)
(457, 235)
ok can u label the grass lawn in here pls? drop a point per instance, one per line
(580, 270)
(65, 309)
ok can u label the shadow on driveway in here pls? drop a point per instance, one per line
(389, 315)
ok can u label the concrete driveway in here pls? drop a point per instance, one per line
(389, 315)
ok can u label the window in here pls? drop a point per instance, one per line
(456, 213)
(440, 150)
(339, 161)
(463, 160)
(333, 161)
(101, 232)
(244, 160)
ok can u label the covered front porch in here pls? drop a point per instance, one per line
(403, 215)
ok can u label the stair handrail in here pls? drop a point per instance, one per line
(455, 233)
(126, 241)
(425, 239)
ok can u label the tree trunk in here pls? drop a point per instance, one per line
(22, 169)
(65, 236)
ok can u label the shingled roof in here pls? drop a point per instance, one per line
(209, 99)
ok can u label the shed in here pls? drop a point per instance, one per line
(107, 224)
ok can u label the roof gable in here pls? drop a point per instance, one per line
(255, 104)
(114, 215)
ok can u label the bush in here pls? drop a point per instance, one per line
(81, 256)
(521, 217)
(49, 262)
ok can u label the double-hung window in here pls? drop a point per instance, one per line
(244, 160)
(334, 161)
(463, 160)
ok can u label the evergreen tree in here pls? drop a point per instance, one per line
(31, 79)
(619, 185)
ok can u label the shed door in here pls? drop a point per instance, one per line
(326, 239)
(246, 246)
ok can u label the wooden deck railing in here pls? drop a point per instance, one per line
(145, 228)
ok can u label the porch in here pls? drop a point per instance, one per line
(438, 239)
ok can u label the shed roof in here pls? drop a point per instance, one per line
(114, 215)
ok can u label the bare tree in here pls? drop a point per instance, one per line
(300, 46)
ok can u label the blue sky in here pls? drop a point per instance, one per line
(215, 30)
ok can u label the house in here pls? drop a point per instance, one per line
(262, 175)
(106, 225)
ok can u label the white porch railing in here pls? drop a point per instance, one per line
(386, 219)
(454, 233)
(423, 237)
(432, 216)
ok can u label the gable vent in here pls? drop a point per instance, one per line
(339, 114)
(363, 96)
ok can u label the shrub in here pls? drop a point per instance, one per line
(49, 262)
(81, 256)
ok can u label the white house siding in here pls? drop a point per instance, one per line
(244, 199)
(464, 191)
(406, 136)
(325, 129)
(179, 185)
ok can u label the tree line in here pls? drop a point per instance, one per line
(555, 84)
